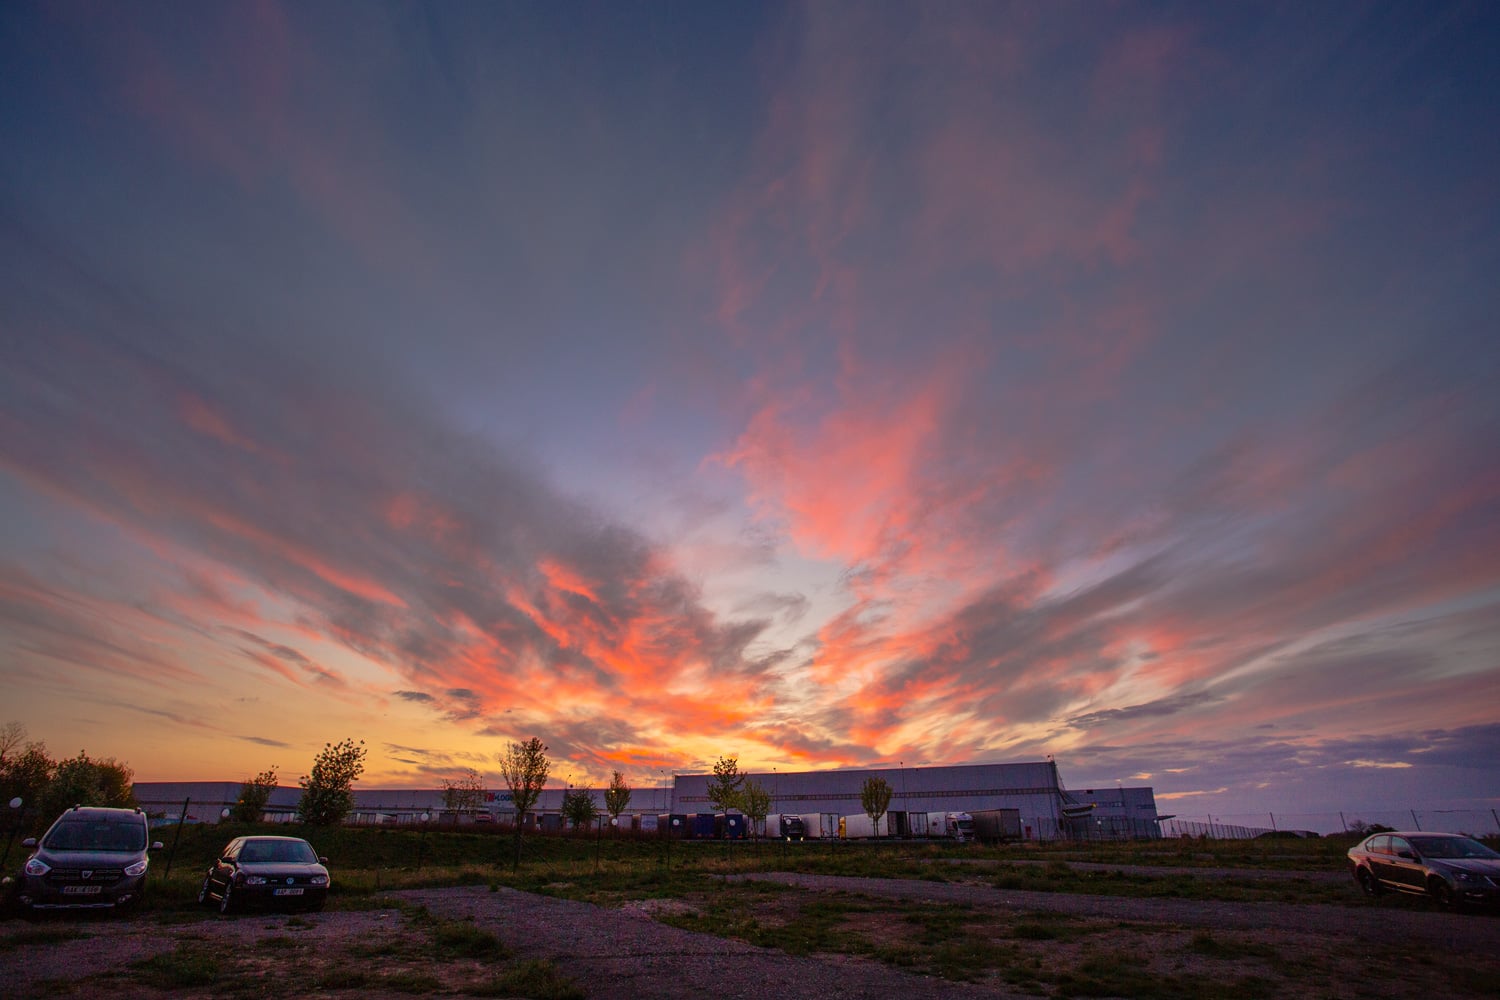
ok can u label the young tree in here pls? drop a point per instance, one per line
(579, 808)
(616, 796)
(524, 766)
(328, 793)
(464, 794)
(875, 797)
(724, 789)
(755, 801)
(254, 794)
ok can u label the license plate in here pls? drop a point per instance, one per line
(82, 890)
(288, 892)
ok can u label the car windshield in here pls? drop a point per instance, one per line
(296, 851)
(85, 835)
(1451, 847)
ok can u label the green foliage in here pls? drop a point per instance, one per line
(755, 801)
(254, 794)
(328, 793)
(24, 771)
(617, 796)
(579, 808)
(724, 789)
(465, 793)
(83, 781)
(875, 797)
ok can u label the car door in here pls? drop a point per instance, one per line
(1378, 856)
(1406, 867)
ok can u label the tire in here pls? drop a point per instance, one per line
(1443, 894)
(225, 903)
(1368, 883)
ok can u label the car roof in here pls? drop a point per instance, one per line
(101, 813)
(1418, 833)
(298, 840)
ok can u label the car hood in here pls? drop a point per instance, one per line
(270, 868)
(1475, 866)
(89, 859)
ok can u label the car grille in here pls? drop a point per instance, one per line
(74, 876)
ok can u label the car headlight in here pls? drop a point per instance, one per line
(1465, 876)
(319, 880)
(139, 868)
(255, 880)
(36, 867)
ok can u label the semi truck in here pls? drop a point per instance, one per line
(992, 826)
(957, 826)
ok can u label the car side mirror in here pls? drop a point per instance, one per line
(157, 845)
(322, 860)
(29, 842)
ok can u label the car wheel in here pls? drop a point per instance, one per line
(1442, 892)
(224, 900)
(1368, 882)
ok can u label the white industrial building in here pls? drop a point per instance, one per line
(1048, 811)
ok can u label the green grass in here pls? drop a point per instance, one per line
(535, 979)
(191, 964)
(41, 935)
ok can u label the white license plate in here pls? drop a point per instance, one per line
(82, 890)
(288, 892)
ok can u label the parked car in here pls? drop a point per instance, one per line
(89, 859)
(1449, 867)
(266, 871)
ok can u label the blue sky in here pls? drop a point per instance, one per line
(823, 385)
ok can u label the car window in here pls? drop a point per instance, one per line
(97, 835)
(1399, 844)
(1378, 845)
(1451, 847)
(296, 851)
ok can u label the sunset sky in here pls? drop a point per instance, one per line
(823, 385)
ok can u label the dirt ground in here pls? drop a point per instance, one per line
(1017, 944)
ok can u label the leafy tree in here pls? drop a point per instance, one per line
(525, 767)
(328, 793)
(616, 796)
(875, 797)
(254, 794)
(83, 781)
(755, 801)
(724, 789)
(464, 794)
(579, 807)
(25, 768)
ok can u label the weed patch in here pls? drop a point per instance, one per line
(535, 979)
(189, 965)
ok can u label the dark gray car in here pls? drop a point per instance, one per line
(1449, 867)
(89, 859)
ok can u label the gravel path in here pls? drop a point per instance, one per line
(638, 957)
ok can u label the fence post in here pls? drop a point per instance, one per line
(176, 837)
(1343, 822)
(1414, 821)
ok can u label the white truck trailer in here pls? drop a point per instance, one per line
(858, 826)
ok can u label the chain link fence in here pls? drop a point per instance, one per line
(1239, 826)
